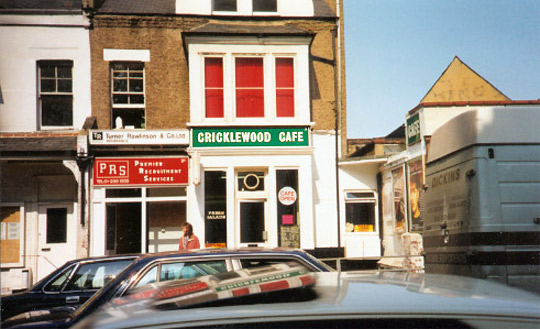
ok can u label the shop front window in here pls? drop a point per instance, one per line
(287, 208)
(360, 212)
(215, 208)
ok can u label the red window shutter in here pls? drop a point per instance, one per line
(249, 88)
(213, 87)
(284, 87)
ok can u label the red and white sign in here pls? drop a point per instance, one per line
(141, 171)
(287, 196)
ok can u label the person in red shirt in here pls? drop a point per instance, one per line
(188, 240)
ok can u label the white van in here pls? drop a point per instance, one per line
(482, 197)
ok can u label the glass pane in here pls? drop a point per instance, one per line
(130, 117)
(213, 72)
(120, 99)
(215, 208)
(358, 195)
(136, 99)
(48, 85)
(48, 71)
(250, 103)
(285, 103)
(64, 71)
(149, 277)
(120, 74)
(56, 225)
(64, 86)
(56, 110)
(265, 5)
(214, 103)
(175, 271)
(225, 5)
(123, 193)
(284, 73)
(251, 181)
(57, 283)
(249, 72)
(120, 85)
(251, 222)
(119, 66)
(360, 217)
(136, 66)
(136, 85)
(166, 191)
(165, 220)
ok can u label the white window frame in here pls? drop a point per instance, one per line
(121, 106)
(371, 200)
(55, 93)
(296, 48)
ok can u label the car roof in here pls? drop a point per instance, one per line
(358, 295)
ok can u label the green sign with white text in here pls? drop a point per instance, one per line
(413, 129)
(250, 137)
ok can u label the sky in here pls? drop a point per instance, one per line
(395, 50)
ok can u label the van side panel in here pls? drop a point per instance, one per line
(482, 210)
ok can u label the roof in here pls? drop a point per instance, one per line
(138, 7)
(36, 6)
(31, 143)
(475, 103)
(461, 83)
(485, 126)
(248, 29)
(360, 296)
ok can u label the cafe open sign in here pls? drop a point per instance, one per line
(141, 171)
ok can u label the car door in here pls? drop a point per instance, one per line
(88, 279)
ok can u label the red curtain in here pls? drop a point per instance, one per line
(284, 87)
(249, 87)
(213, 87)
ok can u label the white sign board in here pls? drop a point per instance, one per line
(143, 137)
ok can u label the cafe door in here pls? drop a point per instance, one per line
(57, 237)
(252, 208)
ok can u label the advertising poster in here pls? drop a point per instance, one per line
(416, 194)
(399, 200)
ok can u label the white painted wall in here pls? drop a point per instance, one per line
(324, 189)
(296, 8)
(23, 45)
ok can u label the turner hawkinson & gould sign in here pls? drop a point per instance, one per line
(139, 137)
(249, 136)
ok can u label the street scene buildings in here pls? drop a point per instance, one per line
(122, 120)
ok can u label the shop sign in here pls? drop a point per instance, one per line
(141, 171)
(287, 196)
(142, 137)
(246, 137)
(413, 129)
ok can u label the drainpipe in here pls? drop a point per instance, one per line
(337, 113)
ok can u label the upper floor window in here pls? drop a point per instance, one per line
(250, 86)
(265, 5)
(224, 5)
(55, 93)
(127, 95)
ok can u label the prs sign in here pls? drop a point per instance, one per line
(141, 171)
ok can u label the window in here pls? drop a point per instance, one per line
(93, 276)
(58, 282)
(56, 225)
(249, 87)
(182, 270)
(265, 5)
(56, 93)
(224, 5)
(252, 88)
(128, 99)
(284, 87)
(213, 87)
(360, 211)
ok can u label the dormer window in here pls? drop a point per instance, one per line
(224, 5)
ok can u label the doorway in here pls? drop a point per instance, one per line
(251, 201)
(123, 228)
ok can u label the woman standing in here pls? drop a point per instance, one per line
(188, 240)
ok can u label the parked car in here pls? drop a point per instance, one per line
(330, 300)
(70, 285)
(160, 267)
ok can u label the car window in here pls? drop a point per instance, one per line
(93, 276)
(256, 262)
(182, 270)
(57, 283)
